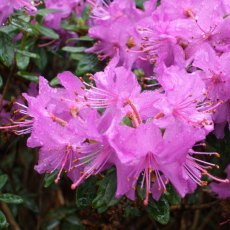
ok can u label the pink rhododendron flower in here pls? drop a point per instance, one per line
(165, 87)
(108, 21)
(184, 100)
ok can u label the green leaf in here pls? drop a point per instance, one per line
(67, 26)
(46, 31)
(83, 38)
(42, 61)
(88, 63)
(50, 178)
(62, 212)
(3, 221)
(106, 192)
(23, 58)
(66, 225)
(193, 198)
(23, 17)
(85, 193)
(140, 3)
(22, 61)
(172, 196)
(28, 76)
(131, 211)
(45, 12)
(74, 220)
(3, 180)
(72, 49)
(27, 53)
(159, 211)
(8, 29)
(50, 225)
(6, 49)
(23, 25)
(127, 121)
(54, 82)
(29, 201)
(11, 198)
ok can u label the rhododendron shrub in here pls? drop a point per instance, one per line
(124, 103)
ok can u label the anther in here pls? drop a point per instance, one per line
(58, 120)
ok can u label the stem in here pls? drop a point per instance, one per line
(60, 197)
(199, 206)
(9, 216)
(7, 85)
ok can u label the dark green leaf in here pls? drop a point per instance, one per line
(6, 49)
(106, 192)
(140, 3)
(54, 82)
(23, 25)
(67, 26)
(28, 76)
(8, 29)
(42, 61)
(83, 38)
(71, 225)
(74, 220)
(3, 221)
(3, 180)
(193, 198)
(46, 31)
(22, 61)
(71, 49)
(45, 12)
(172, 196)
(61, 212)
(11, 198)
(49, 179)
(88, 63)
(159, 210)
(131, 211)
(50, 225)
(127, 121)
(23, 17)
(85, 193)
(27, 53)
(30, 203)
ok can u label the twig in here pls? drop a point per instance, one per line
(196, 219)
(207, 219)
(60, 197)
(7, 85)
(9, 216)
(183, 221)
(199, 206)
(39, 219)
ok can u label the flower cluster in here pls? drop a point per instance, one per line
(62, 9)
(153, 130)
(7, 7)
(58, 10)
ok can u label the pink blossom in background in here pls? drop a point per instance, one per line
(63, 9)
(7, 7)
